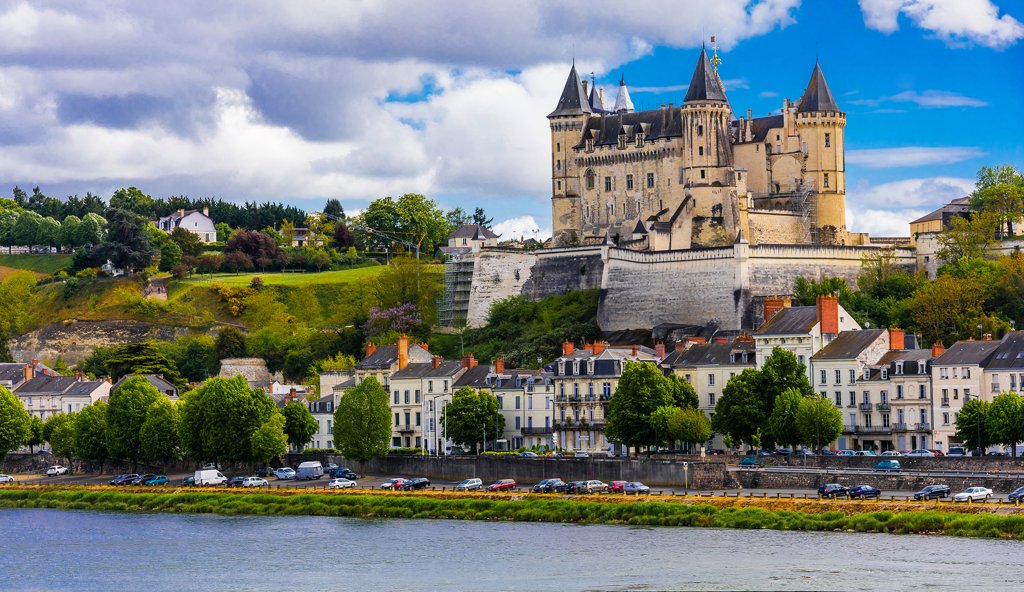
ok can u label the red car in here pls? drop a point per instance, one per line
(502, 485)
(617, 486)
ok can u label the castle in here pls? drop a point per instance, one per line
(687, 176)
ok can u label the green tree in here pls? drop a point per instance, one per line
(159, 434)
(60, 430)
(269, 440)
(126, 414)
(1006, 420)
(15, 423)
(972, 425)
(362, 422)
(91, 433)
(219, 418)
(299, 424)
(641, 390)
(819, 421)
(782, 424)
(741, 410)
(35, 437)
(471, 417)
(230, 343)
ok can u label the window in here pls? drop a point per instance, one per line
(711, 380)
(839, 376)
(650, 179)
(711, 399)
(828, 140)
(607, 183)
(629, 182)
(826, 179)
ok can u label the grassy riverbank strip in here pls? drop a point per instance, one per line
(810, 515)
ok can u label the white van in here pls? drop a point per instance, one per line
(310, 470)
(210, 477)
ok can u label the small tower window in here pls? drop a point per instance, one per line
(828, 140)
(826, 179)
(629, 182)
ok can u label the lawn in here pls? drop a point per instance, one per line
(44, 264)
(287, 279)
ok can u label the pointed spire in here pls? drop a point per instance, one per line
(623, 104)
(705, 84)
(817, 97)
(574, 99)
(596, 104)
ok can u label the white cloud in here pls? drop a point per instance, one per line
(911, 156)
(956, 22)
(524, 227)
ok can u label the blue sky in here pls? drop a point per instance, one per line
(302, 101)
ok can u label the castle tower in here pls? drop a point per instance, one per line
(567, 121)
(820, 124)
(706, 159)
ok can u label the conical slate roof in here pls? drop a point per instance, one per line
(817, 97)
(623, 104)
(574, 99)
(596, 104)
(705, 84)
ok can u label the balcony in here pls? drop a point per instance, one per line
(537, 431)
(865, 406)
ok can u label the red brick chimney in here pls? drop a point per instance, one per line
(371, 348)
(938, 349)
(599, 347)
(469, 361)
(828, 314)
(403, 351)
(659, 350)
(896, 341)
(436, 361)
(567, 348)
(499, 365)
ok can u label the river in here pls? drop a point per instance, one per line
(86, 551)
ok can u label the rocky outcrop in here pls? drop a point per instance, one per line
(74, 340)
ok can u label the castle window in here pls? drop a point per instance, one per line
(607, 183)
(826, 179)
(700, 151)
(650, 179)
(629, 182)
(702, 173)
(590, 179)
(700, 130)
(828, 140)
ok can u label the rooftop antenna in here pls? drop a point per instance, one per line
(715, 60)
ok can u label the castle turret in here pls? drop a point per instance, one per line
(821, 124)
(623, 104)
(567, 122)
(707, 156)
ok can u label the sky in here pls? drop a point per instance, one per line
(302, 101)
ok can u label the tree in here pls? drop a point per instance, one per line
(972, 425)
(299, 424)
(127, 244)
(126, 414)
(1006, 420)
(690, 426)
(362, 422)
(15, 423)
(35, 437)
(60, 433)
(269, 440)
(230, 343)
(641, 390)
(91, 433)
(741, 410)
(219, 418)
(818, 421)
(472, 417)
(782, 424)
(159, 434)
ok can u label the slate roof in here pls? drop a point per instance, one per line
(655, 124)
(387, 355)
(968, 352)
(574, 99)
(705, 85)
(710, 354)
(848, 345)
(447, 369)
(795, 320)
(47, 384)
(817, 97)
(473, 231)
(1010, 354)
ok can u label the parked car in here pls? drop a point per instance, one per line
(157, 480)
(417, 483)
(469, 485)
(502, 485)
(617, 486)
(932, 492)
(833, 490)
(920, 452)
(188, 482)
(255, 482)
(57, 470)
(340, 483)
(749, 462)
(1016, 494)
(393, 484)
(6, 478)
(528, 454)
(956, 451)
(343, 473)
(581, 454)
(595, 486)
(635, 488)
(887, 465)
(235, 481)
(541, 486)
(864, 492)
(891, 453)
(575, 487)
(141, 479)
(284, 473)
(973, 494)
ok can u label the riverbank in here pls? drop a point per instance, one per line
(721, 512)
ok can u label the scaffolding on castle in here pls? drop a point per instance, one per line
(453, 306)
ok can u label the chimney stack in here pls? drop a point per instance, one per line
(371, 348)
(403, 351)
(469, 361)
(828, 314)
(499, 365)
(436, 361)
(896, 340)
(938, 349)
(659, 350)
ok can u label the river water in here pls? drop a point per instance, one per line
(85, 551)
